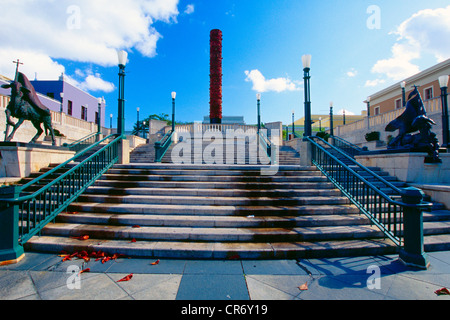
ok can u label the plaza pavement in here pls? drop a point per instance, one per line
(45, 277)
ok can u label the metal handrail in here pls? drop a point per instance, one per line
(42, 206)
(397, 190)
(383, 211)
(162, 146)
(267, 144)
(346, 146)
(64, 164)
(82, 143)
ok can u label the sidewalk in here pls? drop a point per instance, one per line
(46, 277)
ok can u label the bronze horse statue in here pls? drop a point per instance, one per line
(25, 105)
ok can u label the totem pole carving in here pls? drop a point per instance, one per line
(215, 91)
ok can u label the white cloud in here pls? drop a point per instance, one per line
(88, 32)
(352, 73)
(374, 83)
(429, 29)
(423, 32)
(189, 9)
(261, 84)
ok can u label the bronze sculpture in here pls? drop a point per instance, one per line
(415, 119)
(25, 105)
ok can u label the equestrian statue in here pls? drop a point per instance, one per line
(25, 105)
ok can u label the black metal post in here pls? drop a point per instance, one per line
(403, 97)
(173, 114)
(331, 121)
(121, 111)
(138, 124)
(307, 79)
(413, 253)
(445, 122)
(98, 118)
(259, 114)
(293, 125)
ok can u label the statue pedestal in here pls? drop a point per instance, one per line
(409, 167)
(19, 159)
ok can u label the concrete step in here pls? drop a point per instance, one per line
(215, 200)
(216, 250)
(211, 210)
(212, 221)
(213, 192)
(216, 234)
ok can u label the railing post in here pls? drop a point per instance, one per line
(157, 151)
(413, 253)
(10, 249)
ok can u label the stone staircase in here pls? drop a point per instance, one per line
(228, 211)
(146, 154)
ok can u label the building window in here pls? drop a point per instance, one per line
(398, 104)
(51, 95)
(69, 107)
(376, 111)
(83, 113)
(96, 117)
(428, 93)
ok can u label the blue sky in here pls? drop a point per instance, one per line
(358, 47)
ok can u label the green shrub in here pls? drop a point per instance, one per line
(373, 136)
(323, 135)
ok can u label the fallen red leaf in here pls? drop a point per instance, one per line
(155, 263)
(127, 278)
(72, 212)
(133, 240)
(234, 257)
(304, 286)
(136, 226)
(106, 259)
(85, 237)
(66, 258)
(442, 291)
(117, 255)
(85, 270)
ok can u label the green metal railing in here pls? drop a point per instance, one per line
(266, 144)
(162, 146)
(83, 143)
(346, 146)
(384, 211)
(37, 209)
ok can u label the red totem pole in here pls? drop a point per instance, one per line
(215, 90)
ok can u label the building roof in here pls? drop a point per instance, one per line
(415, 78)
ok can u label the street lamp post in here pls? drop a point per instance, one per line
(320, 123)
(138, 125)
(62, 102)
(443, 82)
(122, 55)
(258, 99)
(343, 114)
(100, 100)
(293, 124)
(306, 60)
(110, 121)
(331, 120)
(403, 85)
(368, 112)
(174, 95)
